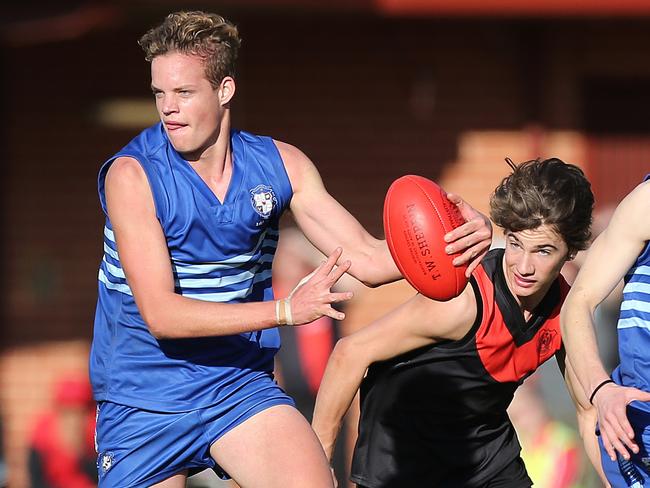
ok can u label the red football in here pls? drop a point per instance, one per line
(417, 215)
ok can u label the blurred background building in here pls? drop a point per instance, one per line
(369, 89)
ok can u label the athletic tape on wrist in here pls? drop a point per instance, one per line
(287, 311)
(280, 313)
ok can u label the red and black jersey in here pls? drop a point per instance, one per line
(436, 416)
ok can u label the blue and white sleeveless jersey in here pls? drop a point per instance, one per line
(219, 252)
(634, 327)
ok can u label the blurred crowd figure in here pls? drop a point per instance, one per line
(61, 446)
(551, 449)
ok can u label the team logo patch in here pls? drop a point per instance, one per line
(263, 200)
(546, 339)
(105, 462)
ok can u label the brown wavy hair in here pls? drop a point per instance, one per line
(210, 36)
(549, 192)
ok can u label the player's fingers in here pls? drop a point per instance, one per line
(474, 263)
(627, 444)
(330, 262)
(469, 254)
(455, 198)
(465, 210)
(339, 297)
(617, 436)
(456, 236)
(607, 444)
(467, 235)
(333, 313)
(339, 271)
(625, 431)
(625, 425)
(470, 257)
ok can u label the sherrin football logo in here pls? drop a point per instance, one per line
(263, 200)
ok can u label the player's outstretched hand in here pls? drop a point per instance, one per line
(611, 402)
(313, 298)
(472, 239)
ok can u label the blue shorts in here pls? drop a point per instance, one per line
(640, 420)
(138, 448)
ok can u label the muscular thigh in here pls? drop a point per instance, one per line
(275, 448)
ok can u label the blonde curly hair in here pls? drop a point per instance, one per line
(209, 36)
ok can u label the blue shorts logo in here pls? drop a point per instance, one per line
(105, 462)
(263, 200)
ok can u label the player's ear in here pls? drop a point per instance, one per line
(226, 90)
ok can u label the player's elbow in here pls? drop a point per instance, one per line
(372, 275)
(373, 265)
(156, 326)
(363, 270)
(157, 322)
(369, 281)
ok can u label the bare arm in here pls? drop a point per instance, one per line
(618, 246)
(585, 413)
(327, 224)
(408, 327)
(145, 259)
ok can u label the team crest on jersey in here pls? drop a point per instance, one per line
(263, 200)
(546, 339)
(105, 462)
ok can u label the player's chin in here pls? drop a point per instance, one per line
(188, 151)
(526, 291)
(179, 144)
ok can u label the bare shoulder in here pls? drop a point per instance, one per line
(453, 318)
(639, 198)
(288, 150)
(641, 202)
(291, 155)
(125, 171)
(127, 187)
(642, 194)
(296, 162)
(630, 217)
